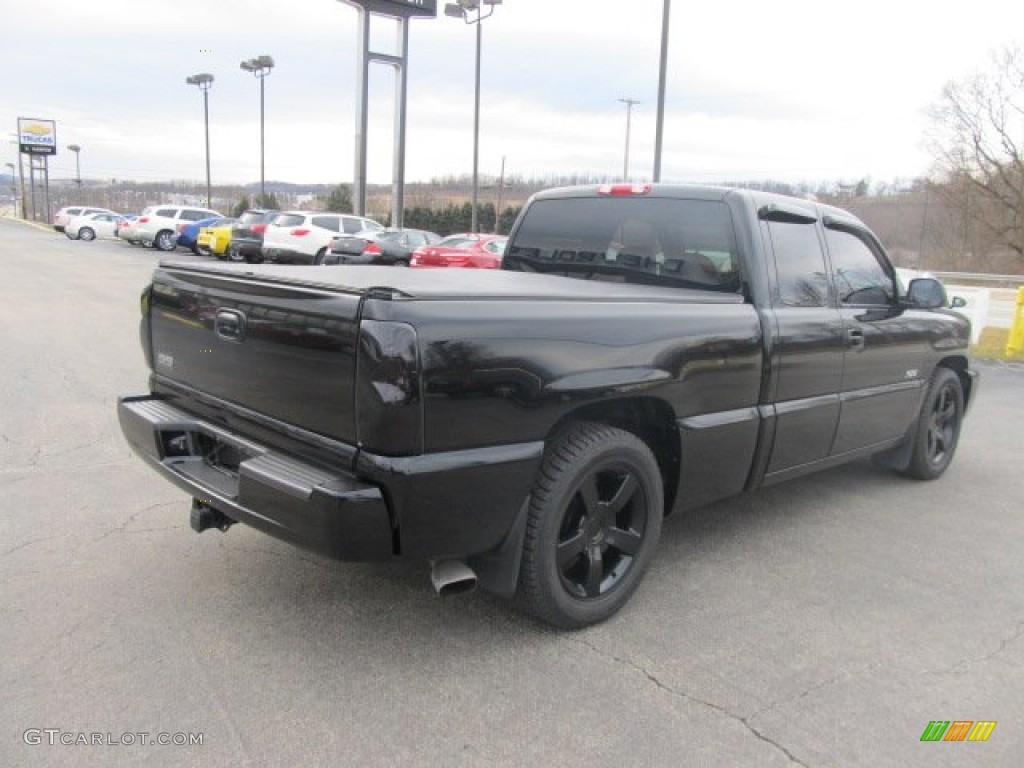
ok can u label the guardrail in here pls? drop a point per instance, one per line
(967, 278)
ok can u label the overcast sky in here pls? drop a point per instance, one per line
(795, 90)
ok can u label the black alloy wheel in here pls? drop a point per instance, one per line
(593, 525)
(938, 428)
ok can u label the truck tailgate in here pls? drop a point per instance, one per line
(279, 348)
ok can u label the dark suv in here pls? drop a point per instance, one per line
(247, 235)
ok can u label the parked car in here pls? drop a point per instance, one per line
(90, 226)
(64, 215)
(385, 246)
(465, 250)
(125, 221)
(214, 238)
(247, 235)
(157, 225)
(302, 237)
(187, 234)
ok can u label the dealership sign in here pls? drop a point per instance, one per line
(399, 8)
(37, 137)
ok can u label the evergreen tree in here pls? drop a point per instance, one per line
(243, 205)
(339, 200)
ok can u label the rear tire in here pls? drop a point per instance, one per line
(320, 255)
(593, 525)
(938, 426)
(164, 241)
(87, 234)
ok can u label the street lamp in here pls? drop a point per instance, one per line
(204, 80)
(78, 168)
(472, 12)
(629, 115)
(260, 67)
(14, 189)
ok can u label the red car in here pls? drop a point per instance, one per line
(465, 250)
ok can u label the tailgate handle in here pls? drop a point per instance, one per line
(230, 325)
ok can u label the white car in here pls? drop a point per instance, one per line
(64, 215)
(157, 225)
(303, 237)
(93, 225)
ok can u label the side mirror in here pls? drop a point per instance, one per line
(926, 293)
(958, 302)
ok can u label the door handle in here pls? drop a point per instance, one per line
(855, 338)
(230, 325)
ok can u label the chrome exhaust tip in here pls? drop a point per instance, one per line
(452, 577)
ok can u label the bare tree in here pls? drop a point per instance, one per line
(977, 137)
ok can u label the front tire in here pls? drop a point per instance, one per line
(938, 426)
(593, 525)
(87, 234)
(164, 241)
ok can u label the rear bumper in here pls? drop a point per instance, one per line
(329, 512)
(285, 256)
(455, 504)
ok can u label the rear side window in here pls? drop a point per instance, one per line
(328, 222)
(658, 241)
(167, 213)
(191, 214)
(288, 220)
(799, 264)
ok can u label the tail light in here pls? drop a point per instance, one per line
(259, 229)
(372, 248)
(142, 219)
(300, 232)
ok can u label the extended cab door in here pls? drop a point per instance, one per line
(885, 349)
(808, 341)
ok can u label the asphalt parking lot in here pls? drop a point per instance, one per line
(825, 622)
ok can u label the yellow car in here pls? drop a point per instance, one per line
(214, 239)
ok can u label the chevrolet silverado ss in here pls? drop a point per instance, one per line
(643, 349)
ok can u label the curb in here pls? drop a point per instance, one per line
(35, 224)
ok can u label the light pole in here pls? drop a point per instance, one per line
(14, 189)
(629, 115)
(260, 67)
(659, 130)
(76, 148)
(472, 12)
(204, 80)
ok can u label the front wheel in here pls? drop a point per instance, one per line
(87, 234)
(164, 241)
(938, 426)
(594, 521)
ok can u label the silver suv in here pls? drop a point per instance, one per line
(157, 225)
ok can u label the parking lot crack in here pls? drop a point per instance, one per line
(961, 666)
(683, 695)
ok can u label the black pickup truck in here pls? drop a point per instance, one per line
(643, 349)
